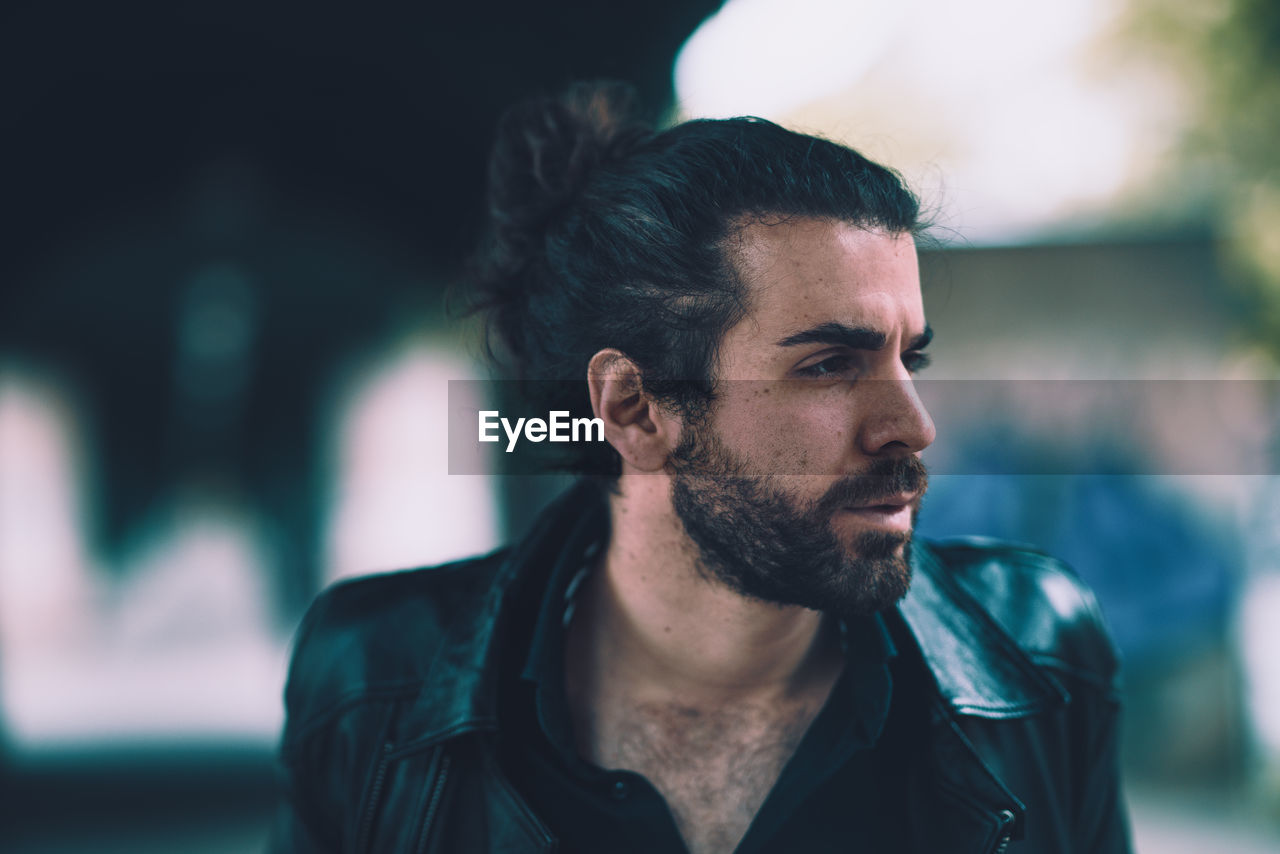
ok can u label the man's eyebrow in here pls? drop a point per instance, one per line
(853, 337)
(922, 340)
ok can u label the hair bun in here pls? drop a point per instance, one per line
(547, 149)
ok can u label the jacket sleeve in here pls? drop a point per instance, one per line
(1093, 667)
(302, 822)
(308, 817)
(1103, 821)
(1102, 814)
(1089, 662)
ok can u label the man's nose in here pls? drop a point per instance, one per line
(896, 420)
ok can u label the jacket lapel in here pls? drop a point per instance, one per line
(977, 667)
(960, 805)
(977, 670)
(459, 693)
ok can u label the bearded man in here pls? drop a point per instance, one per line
(724, 637)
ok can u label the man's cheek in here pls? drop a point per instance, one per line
(764, 449)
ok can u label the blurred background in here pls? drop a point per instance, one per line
(224, 354)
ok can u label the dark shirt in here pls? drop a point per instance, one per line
(840, 791)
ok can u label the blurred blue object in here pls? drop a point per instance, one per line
(1164, 577)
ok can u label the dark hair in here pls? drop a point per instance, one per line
(606, 233)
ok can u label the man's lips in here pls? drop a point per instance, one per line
(893, 513)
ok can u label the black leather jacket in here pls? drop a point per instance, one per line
(392, 708)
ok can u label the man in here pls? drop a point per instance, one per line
(725, 638)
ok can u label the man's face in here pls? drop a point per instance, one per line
(802, 483)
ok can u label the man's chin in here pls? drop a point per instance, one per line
(877, 573)
(875, 592)
(861, 542)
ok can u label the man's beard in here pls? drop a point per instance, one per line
(752, 537)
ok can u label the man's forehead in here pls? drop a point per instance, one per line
(804, 272)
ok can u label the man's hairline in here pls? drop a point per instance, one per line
(738, 224)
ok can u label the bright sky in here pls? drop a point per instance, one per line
(1010, 116)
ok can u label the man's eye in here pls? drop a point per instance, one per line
(829, 367)
(915, 360)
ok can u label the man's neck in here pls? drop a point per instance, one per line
(650, 620)
(673, 676)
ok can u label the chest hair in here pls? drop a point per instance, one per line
(714, 768)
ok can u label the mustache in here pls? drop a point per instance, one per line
(883, 480)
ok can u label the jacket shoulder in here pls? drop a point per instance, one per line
(374, 637)
(1040, 602)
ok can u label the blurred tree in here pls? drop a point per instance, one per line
(1227, 55)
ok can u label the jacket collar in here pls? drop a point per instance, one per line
(977, 668)
(459, 692)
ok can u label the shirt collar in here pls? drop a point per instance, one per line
(544, 663)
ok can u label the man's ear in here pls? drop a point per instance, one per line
(637, 428)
